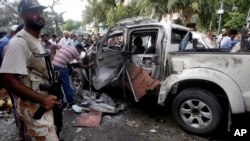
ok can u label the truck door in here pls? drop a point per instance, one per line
(109, 58)
(144, 45)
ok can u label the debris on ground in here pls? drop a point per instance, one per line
(4, 114)
(103, 104)
(87, 95)
(95, 104)
(153, 131)
(90, 119)
(133, 123)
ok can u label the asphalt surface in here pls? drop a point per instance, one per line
(143, 121)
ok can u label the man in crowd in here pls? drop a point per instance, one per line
(226, 41)
(65, 41)
(53, 39)
(27, 71)
(74, 40)
(45, 42)
(5, 40)
(62, 57)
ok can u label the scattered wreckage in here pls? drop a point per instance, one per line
(204, 86)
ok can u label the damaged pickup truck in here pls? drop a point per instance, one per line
(203, 86)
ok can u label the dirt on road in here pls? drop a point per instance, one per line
(143, 121)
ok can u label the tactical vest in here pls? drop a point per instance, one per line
(37, 71)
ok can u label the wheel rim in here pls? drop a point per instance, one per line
(196, 113)
(77, 82)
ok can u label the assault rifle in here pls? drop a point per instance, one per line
(53, 88)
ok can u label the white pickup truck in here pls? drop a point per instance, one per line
(203, 86)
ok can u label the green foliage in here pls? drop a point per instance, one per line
(108, 12)
(70, 25)
(235, 13)
(121, 12)
(235, 20)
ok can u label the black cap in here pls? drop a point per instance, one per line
(26, 5)
(79, 46)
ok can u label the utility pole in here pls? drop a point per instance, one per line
(220, 12)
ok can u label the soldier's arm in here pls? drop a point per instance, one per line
(11, 82)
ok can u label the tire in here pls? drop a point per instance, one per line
(78, 80)
(197, 111)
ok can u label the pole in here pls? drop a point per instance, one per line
(220, 18)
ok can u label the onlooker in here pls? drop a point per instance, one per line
(88, 40)
(65, 41)
(62, 57)
(74, 40)
(45, 42)
(226, 42)
(94, 38)
(210, 35)
(224, 31)
(53, 39)
(5, 40)
(21, 74)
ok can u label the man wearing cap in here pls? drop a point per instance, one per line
(27, 71)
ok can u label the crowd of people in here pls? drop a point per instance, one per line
(228, 39)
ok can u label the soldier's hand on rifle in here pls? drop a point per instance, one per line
(48, 102)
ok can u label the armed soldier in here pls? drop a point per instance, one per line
(23, 71)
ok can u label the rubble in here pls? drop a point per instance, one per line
(91, 119)
(103, 104)
(94, 108)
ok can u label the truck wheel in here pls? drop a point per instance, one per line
(78, 80)
(197, 111)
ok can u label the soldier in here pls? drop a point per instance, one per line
(23, 71)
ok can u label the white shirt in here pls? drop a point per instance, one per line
(65, 42)
(52, 42)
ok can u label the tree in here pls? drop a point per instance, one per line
(70, 25)
(58, 17)
(236, 13)
(121, 12)
(108, 12)
(9, 15)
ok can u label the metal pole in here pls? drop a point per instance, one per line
(220, 18)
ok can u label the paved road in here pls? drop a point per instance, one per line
(144, 121)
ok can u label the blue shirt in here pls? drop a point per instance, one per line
(226, 42)
(3, 42)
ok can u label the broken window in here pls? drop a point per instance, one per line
(177, 36)
(143, 42)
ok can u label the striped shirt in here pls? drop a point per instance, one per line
(64, 55)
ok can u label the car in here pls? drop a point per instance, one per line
(204, 86)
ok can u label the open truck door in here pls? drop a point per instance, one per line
(110, 58)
